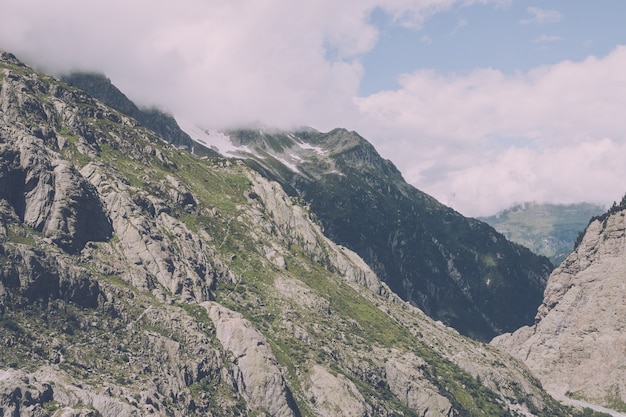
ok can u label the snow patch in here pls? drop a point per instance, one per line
(307, 146)
(288, 164)
(216, 140)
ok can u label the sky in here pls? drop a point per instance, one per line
(480, 103)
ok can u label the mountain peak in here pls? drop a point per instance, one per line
(9, 58)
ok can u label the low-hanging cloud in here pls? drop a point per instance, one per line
(285, 64)
(279, 62)
(590, 171)
(458, 133)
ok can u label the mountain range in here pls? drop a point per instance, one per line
(458, 270)
(550, 230)
(140, 278)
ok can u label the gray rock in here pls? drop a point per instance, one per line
(23, 395)
(407, 381)
(50, 196)
(335, 395)
(255, 370)
(577, 346)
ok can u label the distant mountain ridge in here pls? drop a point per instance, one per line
(550, 230)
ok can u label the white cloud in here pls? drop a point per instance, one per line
(286, 63)
(539, 15)
(456, 136)
(277, 61)
(588, 171)
(547, 39)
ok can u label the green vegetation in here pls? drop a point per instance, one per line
(24, 236)
(613, 398)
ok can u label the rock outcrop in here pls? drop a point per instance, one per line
(258, 376)
(577, 346)
(50, 196)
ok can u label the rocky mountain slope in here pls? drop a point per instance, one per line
(577, 346)
(139, 279)
(456, 269)
(427, 253)
(101, 88)
(546, 229)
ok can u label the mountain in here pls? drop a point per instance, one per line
(423, 250)
(139, 279)
(577, 347)
(101, 88)
(456, 269)
(546, 229)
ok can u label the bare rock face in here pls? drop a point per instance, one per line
(21, 395)
(335, 396)
(179, 260)
(254, 367)
(39, 277)
(578, 344)
(49, 194)
(406, 380)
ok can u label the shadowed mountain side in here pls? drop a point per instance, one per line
(458, 270)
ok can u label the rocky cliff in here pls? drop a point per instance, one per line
(139, 279)
(577, 346)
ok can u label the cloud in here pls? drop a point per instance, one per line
(454, 136)
(547, 39)
(286, 63)
(460, 24)
(281, 62)
(590, 171)
(539, 15)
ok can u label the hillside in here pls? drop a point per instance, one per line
(577, 346)
(550, 230)
(456, 269)
(139, 279)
